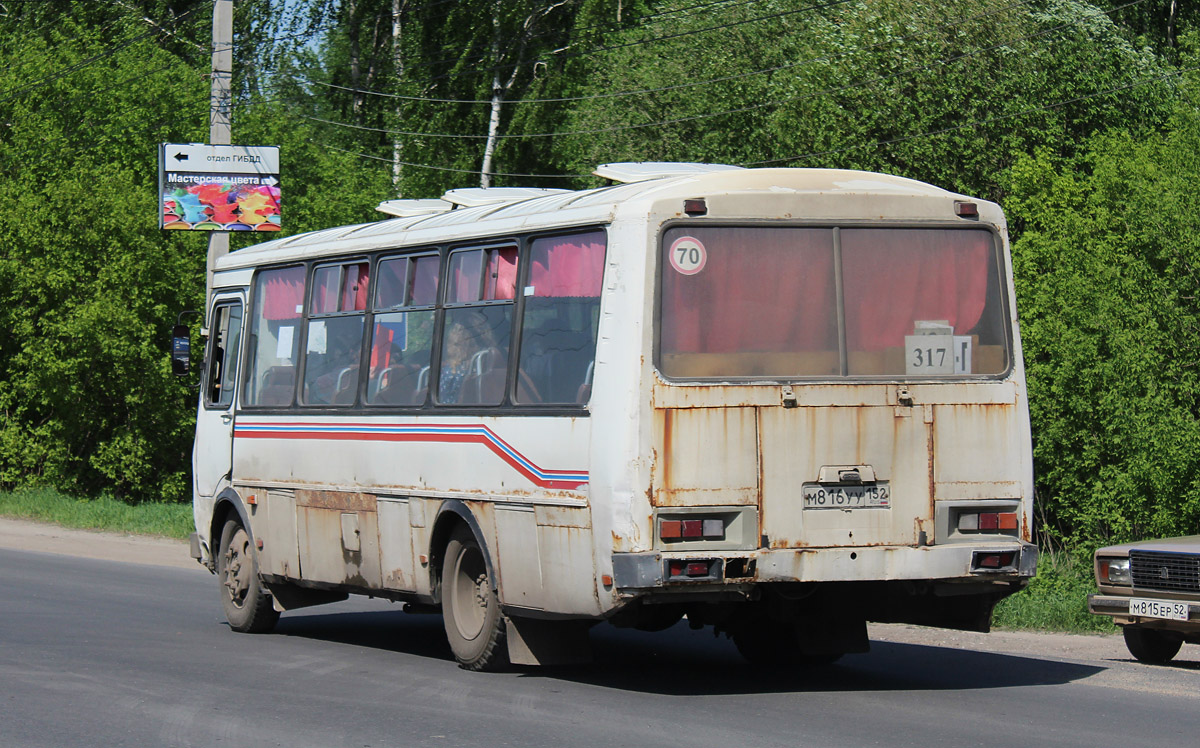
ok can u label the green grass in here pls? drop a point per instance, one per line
(1056, 599)
(104, 513)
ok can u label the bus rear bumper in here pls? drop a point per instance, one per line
(1009, 561)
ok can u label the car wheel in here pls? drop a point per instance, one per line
(1151, 645)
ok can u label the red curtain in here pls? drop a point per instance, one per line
(569, 266)
(282, 293)
(894, 277)
(768, 290)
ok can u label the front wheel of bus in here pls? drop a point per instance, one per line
(471, 613)
(248, 607)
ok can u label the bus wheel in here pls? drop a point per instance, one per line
(248, 607)
(774, 644)
(471, 613)
(1148, 645)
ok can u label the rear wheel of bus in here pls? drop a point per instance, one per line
(248, 607)
(471, 612)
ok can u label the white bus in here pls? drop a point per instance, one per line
(779, 402)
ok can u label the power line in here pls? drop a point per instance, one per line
(738, 110)
(663, 89)
(445, 168)
(566, 56)
(12, 93)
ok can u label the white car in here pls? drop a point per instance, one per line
(1151, 589)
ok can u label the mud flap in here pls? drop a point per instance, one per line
(537, 642)
(289, 596)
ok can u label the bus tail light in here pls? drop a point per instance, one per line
(993, 560)
(693, 568)
(987, 521)
(700, 528)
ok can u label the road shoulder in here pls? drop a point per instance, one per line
(27, 535)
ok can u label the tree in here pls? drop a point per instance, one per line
(1107, 269)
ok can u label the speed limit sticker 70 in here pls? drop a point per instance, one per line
(688, 255)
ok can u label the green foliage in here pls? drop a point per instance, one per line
(1056, 599)
(89, 285)
(947, 94)
(1107, 269)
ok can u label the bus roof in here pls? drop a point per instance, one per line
(517, 210)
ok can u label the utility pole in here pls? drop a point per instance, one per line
(220, 116)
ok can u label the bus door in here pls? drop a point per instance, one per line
(212, 458)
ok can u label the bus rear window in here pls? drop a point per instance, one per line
(751, 302)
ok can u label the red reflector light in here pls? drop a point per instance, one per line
(996, 560)
(965, 209)
(671, 529)
(989, 521)
(683, 568)
(693, 528)
(695, 207)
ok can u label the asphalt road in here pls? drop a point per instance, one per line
(102, 653)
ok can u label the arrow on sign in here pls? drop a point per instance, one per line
(181, 157)
(270, 181)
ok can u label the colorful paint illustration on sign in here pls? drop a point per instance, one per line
(220, 203)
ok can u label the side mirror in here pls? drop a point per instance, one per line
(181, 350)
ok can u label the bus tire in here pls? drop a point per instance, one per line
(777, 644)
(470, 610)
(1149, 645)
(248, 607)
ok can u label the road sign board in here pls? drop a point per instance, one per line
(219, 187)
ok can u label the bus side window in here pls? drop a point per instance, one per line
(274, 336)
(478, 326)
(333, 344)
(562, 311)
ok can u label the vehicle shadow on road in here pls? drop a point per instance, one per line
(390, 630)
(685, 662)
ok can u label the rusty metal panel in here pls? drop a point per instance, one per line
(279, 554)
(568, 570)
(798, 442)
(324, 556)
(518, 557)
(709, 456)
(397, 563)
(563, 516)
(970, 442)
